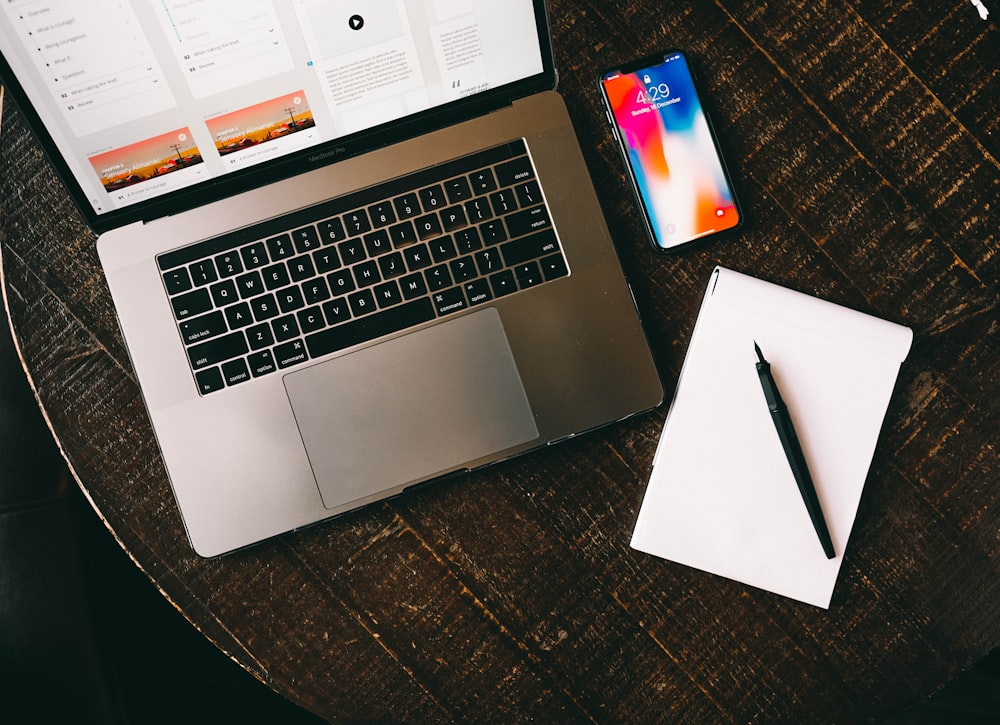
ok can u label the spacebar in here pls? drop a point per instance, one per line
(368, 328)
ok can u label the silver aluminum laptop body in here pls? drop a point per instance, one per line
(466, 389)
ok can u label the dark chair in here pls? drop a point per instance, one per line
(49, 653)
(84, 635)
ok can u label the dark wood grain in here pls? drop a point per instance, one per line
(864, 141)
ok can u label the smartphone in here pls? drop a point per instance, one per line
(670, 149)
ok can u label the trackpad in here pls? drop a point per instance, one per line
(410, 408)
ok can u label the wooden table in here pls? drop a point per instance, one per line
(865, 139)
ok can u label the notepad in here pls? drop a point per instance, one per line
(721, 496)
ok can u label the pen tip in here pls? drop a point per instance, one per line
(760, 355)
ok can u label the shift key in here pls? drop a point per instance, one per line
(217, 350)
(531, 247)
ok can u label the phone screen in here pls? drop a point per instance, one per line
(668, 144)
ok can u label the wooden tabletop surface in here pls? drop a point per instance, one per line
(864, 138)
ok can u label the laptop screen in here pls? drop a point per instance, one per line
(152, 105)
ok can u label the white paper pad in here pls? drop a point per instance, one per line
(721, 496)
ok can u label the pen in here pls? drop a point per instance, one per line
(793, 451)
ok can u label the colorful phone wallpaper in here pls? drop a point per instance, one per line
(673, 158)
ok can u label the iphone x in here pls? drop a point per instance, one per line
(670, 150)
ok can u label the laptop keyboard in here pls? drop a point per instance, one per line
(365, 265)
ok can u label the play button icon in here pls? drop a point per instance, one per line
(356, 22)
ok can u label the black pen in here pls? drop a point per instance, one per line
(793, 452)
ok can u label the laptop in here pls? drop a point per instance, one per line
(353, 247)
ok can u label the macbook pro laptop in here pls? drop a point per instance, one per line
(353, 247)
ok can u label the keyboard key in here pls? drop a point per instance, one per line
(503, 283)
(235, 372)
(463, 269)
(218, 350)
(238, 316)
(341, 282)
(291, 353)
(290, 299)
(372, 327)
(223, 293)
(204, 327)
(488, 261)
(361, 303)
(468, 240)
(254, 255)
(275, 276)
(261, 363)
(192, 303)
(209, 380)
(528, 194)
(332, 230)
(407, 205)
(457, 190)
(381, 214)
(503, 202)
(356, 222)
(250, 284)
(377, 242)
(203, 272)
(402, 234)
(443, 249)
(264, 307)
(482, 181)
(530, 247)
(413, 286)
(478, 291)
(453, 218)
(351, 251)
(366, 274)
(478, 210)
(554, 267)
(438, 277)
(515, 171)
(280, 247)
(311, 319)
(336, 311)
(391, 265)
(528, 275)
(260, 336)
(529, 220)
(387, 294)
(450, 300)
(326, 260)
(428, 226)
(493, 232)
(285, 328)
(432, 198)
(177, 280)
(229, 264)
(417, 257)
(305, 239)
(302, 268)
(315, 290)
